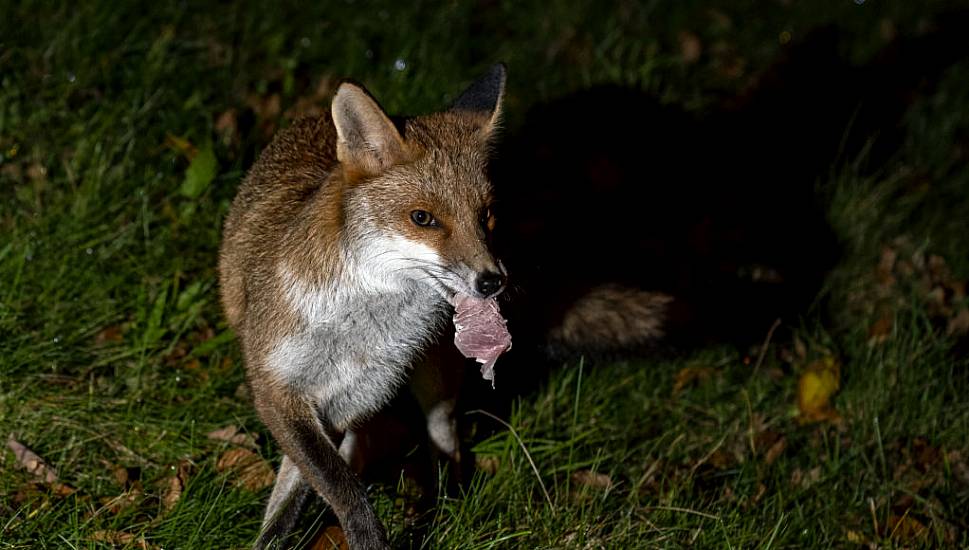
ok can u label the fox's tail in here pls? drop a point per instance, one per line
(609, 320)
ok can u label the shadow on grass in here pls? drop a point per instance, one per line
(719, 210)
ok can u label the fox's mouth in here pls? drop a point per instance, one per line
(452, 287)
(443, 286)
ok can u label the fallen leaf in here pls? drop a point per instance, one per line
(227, 125)
(232, 434)
(36, 171)
(905, 528)
(881, 329)
(856, 537)
(487, 464)
(690, 47)
(31, 462)
(886, 266)
(181, 145)
(958, 466)
(802, 479)
(818, 383)
(30, 492)
(120, 538)
(331, 538)
(267, 110)
(174, 485)
(800, 348)
(775, 451)
(124, 501)
(242, 392)
(62, 489)
(112, 333)
(720, 459)
(689, 375)
(251, 471)
(959, 323)
(589, 478)
(200, 172)
(126, 477)
(172, 492)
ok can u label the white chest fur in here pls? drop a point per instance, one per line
(356, 343)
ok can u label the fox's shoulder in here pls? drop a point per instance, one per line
(302, 155)
(299, 160)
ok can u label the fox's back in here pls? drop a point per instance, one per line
(291, 170)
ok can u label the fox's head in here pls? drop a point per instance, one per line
(418, 197)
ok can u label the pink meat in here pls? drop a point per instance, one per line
(480, 332)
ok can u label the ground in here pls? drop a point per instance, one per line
(125, 129)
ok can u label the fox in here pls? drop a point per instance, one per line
(342, 254)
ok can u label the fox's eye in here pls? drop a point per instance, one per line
(487, 219)
(422, 218)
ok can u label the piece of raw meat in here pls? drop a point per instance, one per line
(480, 332)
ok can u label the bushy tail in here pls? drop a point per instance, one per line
(609, 320)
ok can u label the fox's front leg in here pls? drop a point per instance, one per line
(436, 383)
(312, 460)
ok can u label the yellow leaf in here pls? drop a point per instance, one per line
(818, 383)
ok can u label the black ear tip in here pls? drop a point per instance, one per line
(484, 94)
(497, 75)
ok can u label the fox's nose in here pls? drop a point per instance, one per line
(490, 282)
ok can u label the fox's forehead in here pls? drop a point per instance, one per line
(451, 161)
(446, 130)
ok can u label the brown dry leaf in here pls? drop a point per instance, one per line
(880, 330)
(232, 434)
(174, 485)
(887, 30)
(775, 450)
(225, 365)
(331, 538)
(690, 47)
(315, 103)
(886, 266)
(227, 125)
(927, 457)
(958, 289)
(29, 461)
(689, 375)
(719, 20)
(120, 474)
(589, 478)
(109, 334)
(958, 324)
(958, 466)
(62, 489)
(487, 464)
(856, 537)
(802, 479)
(267, 110)
(180, 145)
(124, 501)
(242, 393)
(36, 171)
(172, 492)
(120, 538)
(251, 471)
(12, 170)
(817, 385)
(906, 529)
(30, 492)
(800, 348)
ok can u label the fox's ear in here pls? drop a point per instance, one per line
(367, 141)
(483, 98)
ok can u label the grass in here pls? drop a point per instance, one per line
(115, 361)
